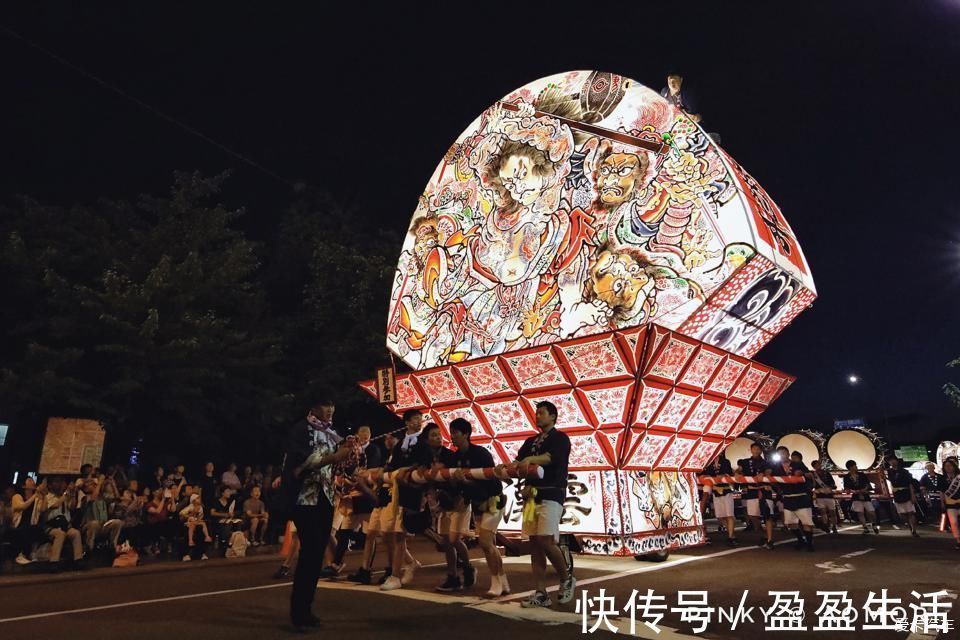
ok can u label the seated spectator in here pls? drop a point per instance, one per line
(156, 482)
(96, 521)
(230, 479)
(128, 510)
(57, 523)
(223, 512)
(193, 520)
(257, 517)
(28, 507)
(257, 477)
(158, 522)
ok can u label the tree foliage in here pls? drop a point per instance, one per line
(162, 319)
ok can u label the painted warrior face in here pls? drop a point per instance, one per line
(519, 177)
(426, 239)
(618, 279)
(618, 177)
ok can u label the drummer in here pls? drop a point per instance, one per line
(824, 486)
(758, 498)
(722, 492)
(903, 493)
(860, 488)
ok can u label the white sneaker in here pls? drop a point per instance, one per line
(204, 557)
(186, 558)
(566, 590)
(393, 582)
(504, 585)
(495, 589)
(22, 559)
(409, 570)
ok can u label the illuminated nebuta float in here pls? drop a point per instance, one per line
(584, 242)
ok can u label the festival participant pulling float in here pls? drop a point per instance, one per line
(584, 242)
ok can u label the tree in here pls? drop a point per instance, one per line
(148, 316)
(950, 389)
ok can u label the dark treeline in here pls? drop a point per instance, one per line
(186, 337)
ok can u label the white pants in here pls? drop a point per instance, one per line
(723, 505)
(753, 507)
(905, 507)
(803, 516)
(860, 506)
(546, 521)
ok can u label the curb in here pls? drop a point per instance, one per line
(152, 568)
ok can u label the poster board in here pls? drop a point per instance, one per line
(71, 443)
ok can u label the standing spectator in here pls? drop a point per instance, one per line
(208, 485)
(60, 501)
(312, 447)
(257, 517)
(27, 511)
(932, 483)
(551, 450)
(230, 478)
(257, 477)
(179, 473)
(247, 480)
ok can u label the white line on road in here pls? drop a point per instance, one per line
(65, 612)
(654, 567)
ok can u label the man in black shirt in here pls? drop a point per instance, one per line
(456, 506)
(859, 487)
(758, 498)
(797, 502)
(723, 505)
(903, 493)
(404, 496)
(312, 449)
(824, 486)
(551, 450)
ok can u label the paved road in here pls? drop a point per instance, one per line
(236, 599)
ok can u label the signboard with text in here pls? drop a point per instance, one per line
(71, 443)
(386, 385)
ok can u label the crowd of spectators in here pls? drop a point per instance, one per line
(171, 514)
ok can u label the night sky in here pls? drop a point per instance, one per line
(846, 115)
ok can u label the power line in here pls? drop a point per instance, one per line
(144, 105)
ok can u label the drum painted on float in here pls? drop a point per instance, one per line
(859, 445)
(808, 443)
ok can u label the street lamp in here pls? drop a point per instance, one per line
(853, 378)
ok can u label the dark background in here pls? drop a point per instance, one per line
(845, 112)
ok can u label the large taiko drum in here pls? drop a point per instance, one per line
(740, 448)
(810, 444)
(947, 449)
(853, 444)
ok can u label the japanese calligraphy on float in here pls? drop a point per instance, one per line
(584, 242)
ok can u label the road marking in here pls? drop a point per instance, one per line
(857, 553)
(514, 611)
(411, 594)
(66, 612)
(655, 567)
(832, 567)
